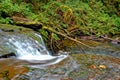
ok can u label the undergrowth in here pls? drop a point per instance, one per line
(73, 18)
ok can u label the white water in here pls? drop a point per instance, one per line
(31, 50)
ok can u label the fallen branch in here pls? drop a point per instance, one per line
(114, 41)
(70, 38)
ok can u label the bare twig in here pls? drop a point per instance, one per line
(115, 41)
(64, 35)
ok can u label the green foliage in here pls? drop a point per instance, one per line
(90, 17)
(67, 16)
(55, 36)
(8, 9)
(44, 34)
(72, 18)
(6, 20)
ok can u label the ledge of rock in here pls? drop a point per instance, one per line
(20, 21)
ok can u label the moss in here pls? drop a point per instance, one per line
(8, 27)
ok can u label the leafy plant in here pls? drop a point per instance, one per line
(73, 18)
(8, 9)
(6, 20)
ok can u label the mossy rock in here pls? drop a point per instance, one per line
(12, 29)
(6, 29)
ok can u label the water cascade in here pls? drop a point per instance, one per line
(26, 48)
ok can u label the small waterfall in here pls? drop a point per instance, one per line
(41, 40)
(26, 48)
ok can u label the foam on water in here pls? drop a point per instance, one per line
(31, 50)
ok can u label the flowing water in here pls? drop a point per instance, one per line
(18, 50)
(26, 48)
(25, 52)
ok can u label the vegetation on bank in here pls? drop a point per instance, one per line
(72, 18)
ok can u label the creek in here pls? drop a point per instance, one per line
(28, 49)
(26, 58)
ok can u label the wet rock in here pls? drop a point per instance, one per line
(115, 41)
(7, 55)
(75, 67)
(6, 30)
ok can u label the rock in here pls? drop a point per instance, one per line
(20, 21)
(115, 41)
(77, 67)
(6, 30)
(7, 55)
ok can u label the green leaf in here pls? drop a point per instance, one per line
(55, 36)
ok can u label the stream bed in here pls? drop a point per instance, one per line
(75, 67)
(81, 63)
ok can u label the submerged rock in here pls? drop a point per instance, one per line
(75, 67)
